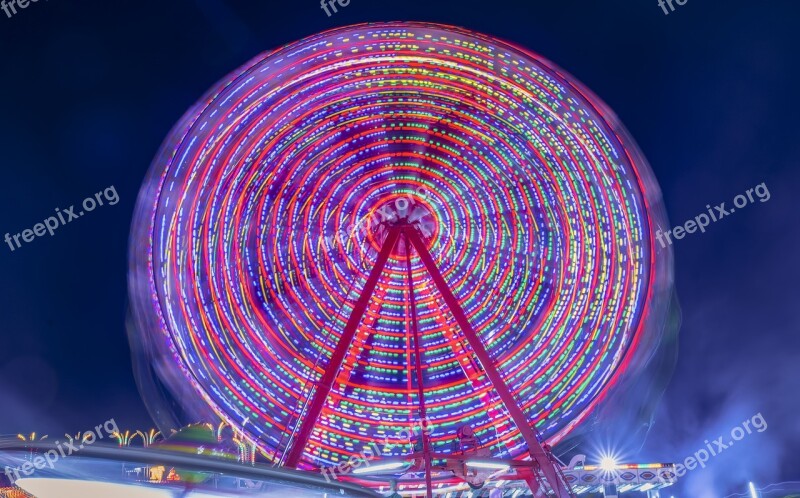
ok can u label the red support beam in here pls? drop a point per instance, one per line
(325, 384)
(423, 414)
(534, 448)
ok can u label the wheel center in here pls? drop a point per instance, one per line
(402, 211)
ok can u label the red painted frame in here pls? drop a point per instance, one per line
(537, 452)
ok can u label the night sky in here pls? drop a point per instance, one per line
(90, 89)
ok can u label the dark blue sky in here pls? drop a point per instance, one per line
(90, 88)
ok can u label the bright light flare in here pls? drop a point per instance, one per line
(753, 493)
(608, 463)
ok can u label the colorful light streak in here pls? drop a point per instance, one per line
(537, 203)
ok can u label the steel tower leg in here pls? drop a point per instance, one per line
(332, 368)
(426, 447)
(538, 454)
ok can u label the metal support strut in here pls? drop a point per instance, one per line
(423, 415)
(332, 369)
(548, 467)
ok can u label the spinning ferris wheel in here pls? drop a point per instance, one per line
(388, 223)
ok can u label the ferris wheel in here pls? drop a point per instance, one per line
(388, 224)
